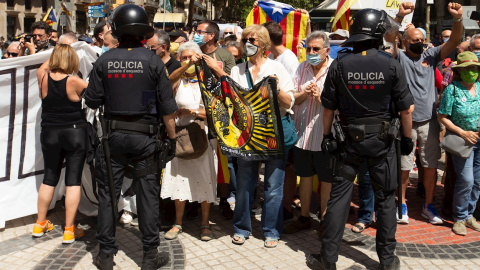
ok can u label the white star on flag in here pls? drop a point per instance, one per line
(277, 9)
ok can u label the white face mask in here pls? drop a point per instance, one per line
(250, 49)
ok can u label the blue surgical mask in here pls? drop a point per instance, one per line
(198, 39)
(477, 54)
(445, 40)
(105, 49)
(314, 59)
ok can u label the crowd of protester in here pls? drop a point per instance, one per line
(442, 76)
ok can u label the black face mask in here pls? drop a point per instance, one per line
(416, 48)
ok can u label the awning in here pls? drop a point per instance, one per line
(332, 5)
(169, 17)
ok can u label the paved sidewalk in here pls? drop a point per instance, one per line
(18, 250)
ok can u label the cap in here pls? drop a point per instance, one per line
(340, 32)
(178, 33)
(86, 39)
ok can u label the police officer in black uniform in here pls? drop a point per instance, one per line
(131, 83)
(368, 88)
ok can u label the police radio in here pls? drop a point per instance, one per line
(339, 135)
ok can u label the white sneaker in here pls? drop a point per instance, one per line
(126, 217)
(430, 213)
(404, 219)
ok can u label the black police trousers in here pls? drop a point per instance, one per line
(382, 165)
(122, 148)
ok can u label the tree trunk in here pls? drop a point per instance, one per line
(190, 12)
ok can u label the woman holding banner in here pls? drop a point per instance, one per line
(63, 137)
(256, 40)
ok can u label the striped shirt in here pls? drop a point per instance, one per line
(308, 114)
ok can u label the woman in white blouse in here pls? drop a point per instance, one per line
(256, 40)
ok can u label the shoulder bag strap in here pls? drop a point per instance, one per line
(249, 77)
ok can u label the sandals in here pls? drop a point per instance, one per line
(358, 227)
(240, 240)
(170, 235)
(297, 204)
(270, 240)
(206, 236)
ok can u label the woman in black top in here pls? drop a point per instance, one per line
(63, 137)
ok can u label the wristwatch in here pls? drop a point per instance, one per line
(196, 113)
(458, 20)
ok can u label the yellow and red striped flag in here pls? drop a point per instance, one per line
(342, 15)
(50, 17)
(293, 23)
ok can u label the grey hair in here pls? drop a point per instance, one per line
(163, 37)
(237, 45)
(69, 35)
(319, 35)
(190, 45)
(472, 41)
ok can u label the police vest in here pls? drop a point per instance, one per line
(128, 83)
(368, 78)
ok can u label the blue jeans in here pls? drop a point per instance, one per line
(467, 187)
(272, 210)
(366, 196)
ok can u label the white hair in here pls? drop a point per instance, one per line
(190, 45)
(72, 37)
(319, 35)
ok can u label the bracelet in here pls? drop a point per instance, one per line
(401, 17)
(458, 20)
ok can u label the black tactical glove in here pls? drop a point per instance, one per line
(406, 146)
(172, 148)
(329, 144)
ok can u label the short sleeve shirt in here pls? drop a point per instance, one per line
(462, 108)
(420, 74)
(289, 60)
(226, 59)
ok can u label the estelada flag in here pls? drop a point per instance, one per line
(342, 15)
(50, 17)
(293, 23)
(246, 122)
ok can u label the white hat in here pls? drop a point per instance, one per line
(340, 32)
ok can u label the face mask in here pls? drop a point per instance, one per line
(198, 39)
(250, 49)
(469, 76)
(445, 40)
(416, 48)
(41, 44)
(478, 55)
(105, 49)
(190, 70)
(314, 59)
(226, 35)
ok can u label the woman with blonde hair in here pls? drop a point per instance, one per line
(256, 40)
(63, 137)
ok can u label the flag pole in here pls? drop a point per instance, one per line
(164, 6)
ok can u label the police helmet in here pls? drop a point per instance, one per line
(132, 20)
(368, 24)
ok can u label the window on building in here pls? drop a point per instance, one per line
(44, 5)
(28, 4)
(11, 26)
(27, 24)
(10, 3)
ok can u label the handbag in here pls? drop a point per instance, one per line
(454, 144)
(289, 132)
(191, 140)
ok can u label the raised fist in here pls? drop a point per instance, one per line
(455, 9)
(406, 8)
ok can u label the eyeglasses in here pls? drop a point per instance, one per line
(315, 49)
(201, 32)
(38, 35)
(150, 47)
(12, 54)
(251, 40)
(228, 33)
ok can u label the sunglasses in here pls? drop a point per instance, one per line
(12, 54)
(251, 40)
(228, 33)
(315, 49)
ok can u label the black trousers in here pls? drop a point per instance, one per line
(382, 165)
(122, 148)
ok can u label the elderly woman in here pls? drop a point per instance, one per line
(459, 112)
(256, 40)
(193, 179)
(236, 48)
(63, 137)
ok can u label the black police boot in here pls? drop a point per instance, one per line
(318, 262)
(152, 260)
(104, 261)
(395, 265)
